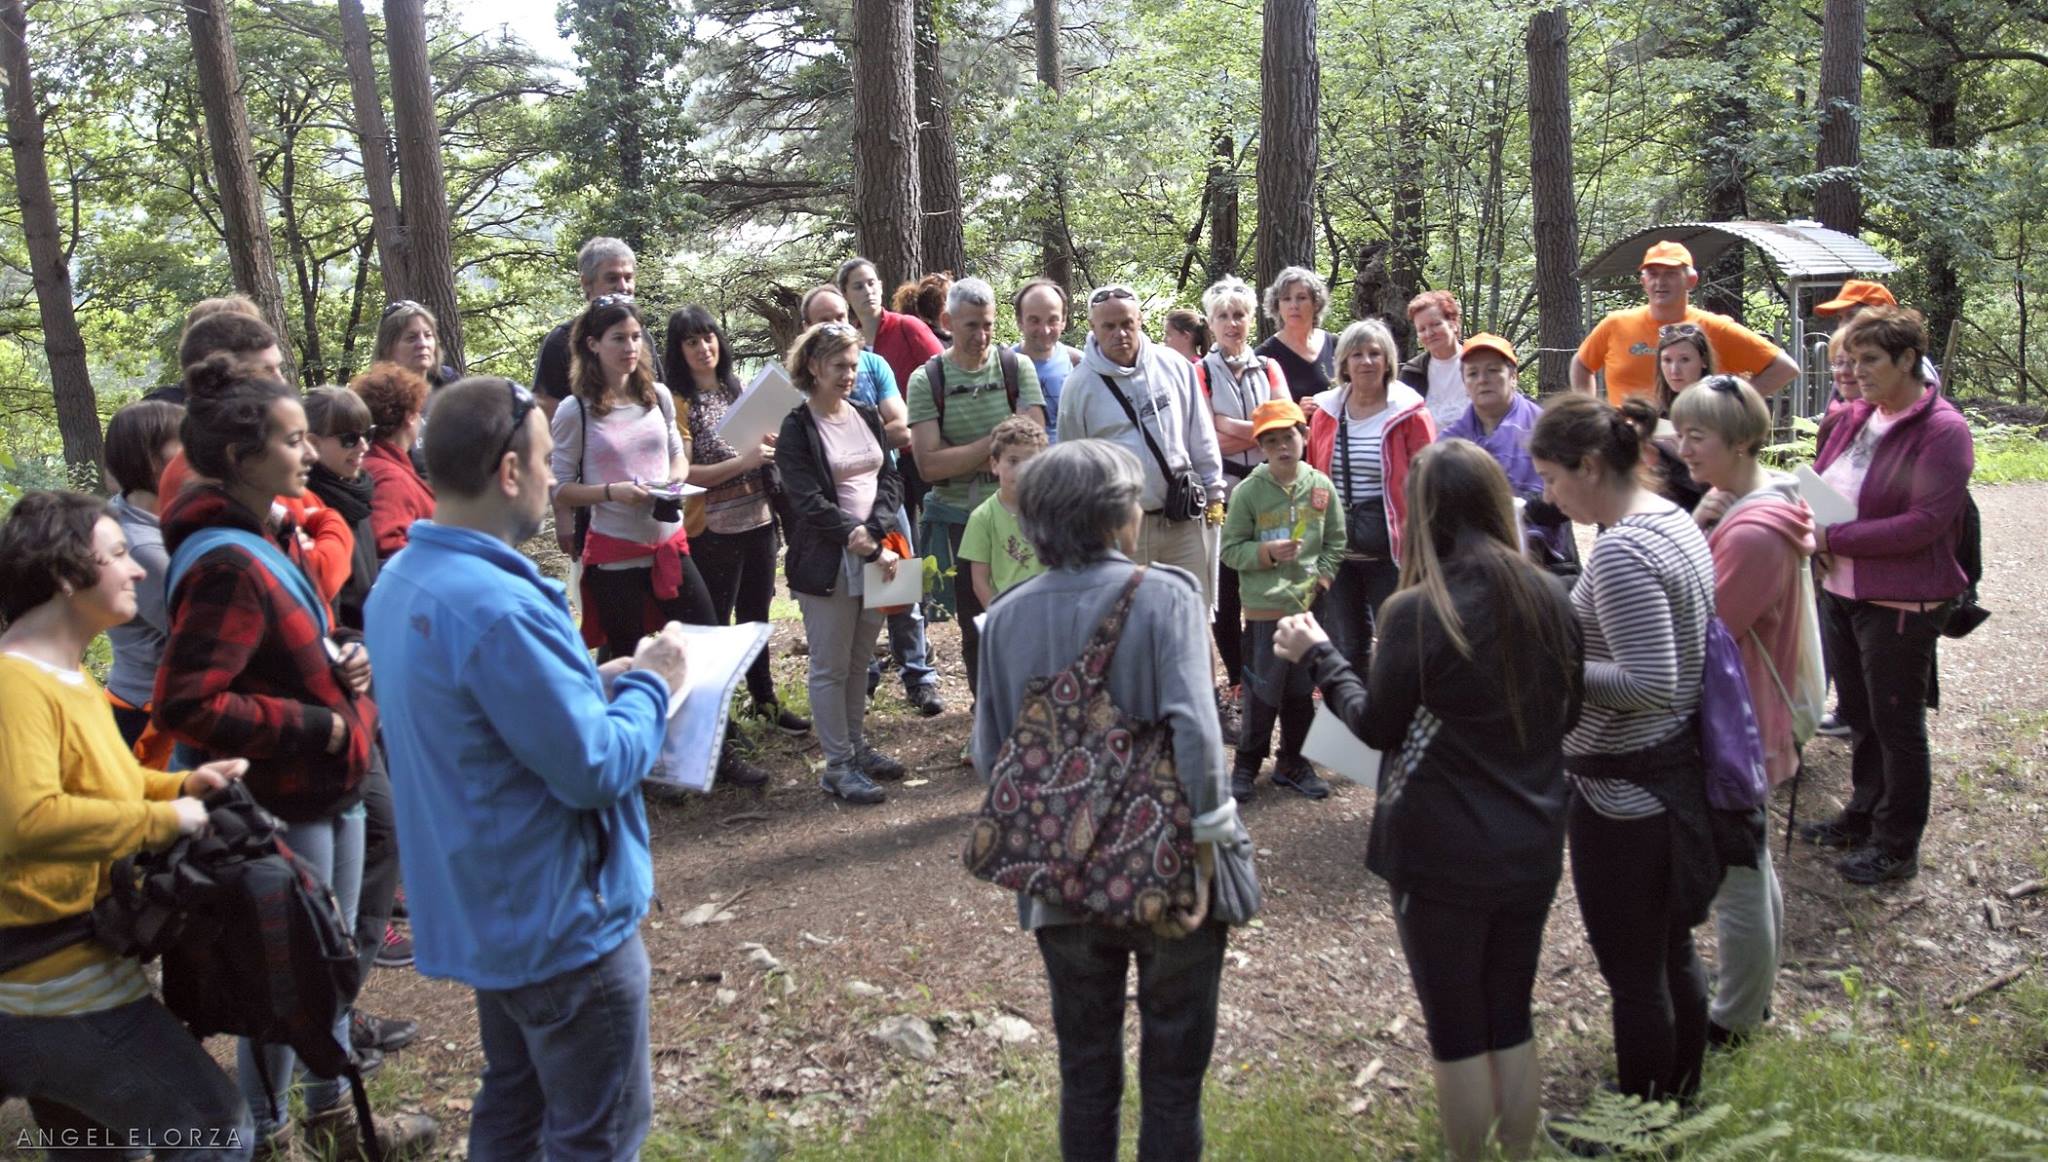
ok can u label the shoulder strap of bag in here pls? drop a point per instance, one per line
(1101, 647)
(266, 555)
(935, 378)
(1772, 666)
(1007, 359)
(1124, 402)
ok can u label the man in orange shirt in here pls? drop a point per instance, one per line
(1623, 347)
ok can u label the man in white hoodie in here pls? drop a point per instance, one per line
(1122, 367)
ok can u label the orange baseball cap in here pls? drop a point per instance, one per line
(1857, 292)
(1494, 343)
(1666, 254)
(1276, 413)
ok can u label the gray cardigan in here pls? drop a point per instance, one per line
(139, 644)
(1161, 671)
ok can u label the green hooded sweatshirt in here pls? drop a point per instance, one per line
(1261, 510)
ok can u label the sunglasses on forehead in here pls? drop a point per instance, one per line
(523, 404)
(392, 308)
(603, 301)
(1105, 294)
(1678, 330)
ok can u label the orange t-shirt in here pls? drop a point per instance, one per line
(1624, 346)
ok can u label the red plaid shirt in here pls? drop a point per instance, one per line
(246, 673)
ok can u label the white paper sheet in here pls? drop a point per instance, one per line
(718, 659)
(906, 589)
(759, 409)
(1829, 506)
(1331, 745)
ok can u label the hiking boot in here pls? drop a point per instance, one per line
(1296, 775)
(384, 1034)
(1836, 833)
(1228, 715)
(794, 725)
(738, 772)
(333, 1133)
(1831, 724)
(396, 950)
(874, 681)
(851, 785)
(926, 699)
(1243, 782)
(398, 909)
(1875, 865)
(367, 1061)
(876, 765)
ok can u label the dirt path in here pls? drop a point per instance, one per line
(876, 895)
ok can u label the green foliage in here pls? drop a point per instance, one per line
(1630, 1126)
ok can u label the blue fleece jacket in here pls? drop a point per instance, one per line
(516, 784)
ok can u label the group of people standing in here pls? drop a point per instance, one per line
(1310, 515)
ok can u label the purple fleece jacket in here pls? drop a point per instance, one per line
(1909, 514)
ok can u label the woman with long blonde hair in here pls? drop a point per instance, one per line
(1474, 682)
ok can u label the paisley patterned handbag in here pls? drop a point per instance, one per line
(1084, 810)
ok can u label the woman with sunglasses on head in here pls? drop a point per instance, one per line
(81, 1035)
(620, 453)
(394, 397)
(733, 543)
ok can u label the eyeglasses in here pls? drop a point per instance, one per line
(523, 404)
(392, 308)
(350, 439)
(1106, 293)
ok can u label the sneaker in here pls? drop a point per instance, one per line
(851, 785)
(384, 1034)
(926, 699)
(1297, 776)
(874, 681)
(396, 951)
(1835, 833)
(1243, 782)
(398, 909)
(1875, 865)
(794, 725)
(876, 765)
(368, 1061)
(1228, 716)
(737, 772)
(1831, 724)
(333, 1132)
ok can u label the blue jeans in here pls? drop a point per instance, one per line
(568, 1071)
(334, 847)
(906, 639)
(126, 1077)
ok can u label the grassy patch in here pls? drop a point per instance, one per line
(2007, 454)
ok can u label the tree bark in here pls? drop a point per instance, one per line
(631, 44)
(1055, 242)
(887, 203)
(373, 134)
(1223, 241)
(78, 419)
(250, 254)
(1290, 94)
(1407, 232)
(1944, 281)
(1838, 203)
(1560, 316)
(419, 167)
(1725, 152)
(938, 166)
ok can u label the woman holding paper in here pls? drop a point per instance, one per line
(844, 494)
(1902, 455)
(733, 526)
(1764, 594)
(1474, 682)
(619, 452)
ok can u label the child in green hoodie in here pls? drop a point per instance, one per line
(1285, 537)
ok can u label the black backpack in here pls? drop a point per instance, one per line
(253, 943)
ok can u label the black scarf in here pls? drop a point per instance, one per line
(350, 498)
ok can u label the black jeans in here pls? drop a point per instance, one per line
(1882, 661)
(380, 861)
(1350, 609)
(739, 574)
(1273, 688)
(966, 607)
(1178, 982)
(1622, 871)
(619, 597)
(1228, 626)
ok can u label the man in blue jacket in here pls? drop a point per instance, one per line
(516, 777)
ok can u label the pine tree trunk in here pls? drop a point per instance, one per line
(938, 166)
(1290, 93)
(419, 171)
(1054, 239)
(631, 45)
(1406, 230)
(887, 205)
(251, 257)
(1559, 309)
(1223, 228)
(1838, 203)
(1944, 281)
(373, 135)
(78, 419)
(1725, 153)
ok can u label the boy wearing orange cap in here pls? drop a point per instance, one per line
(1623, 347)
(1284, 535)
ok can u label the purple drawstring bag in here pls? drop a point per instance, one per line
(1730, 743)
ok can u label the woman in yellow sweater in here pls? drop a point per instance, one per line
(101, 1062)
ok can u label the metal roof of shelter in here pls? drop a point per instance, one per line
(1800, 251)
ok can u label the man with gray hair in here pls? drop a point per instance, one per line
(956, 399)
(1135, 393)
(606, 267)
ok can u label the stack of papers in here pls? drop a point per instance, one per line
(1331, 745)
(1829, 506)
(759, 410)
(718, 659)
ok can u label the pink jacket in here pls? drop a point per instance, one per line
(1761, 548)
(1409, 430)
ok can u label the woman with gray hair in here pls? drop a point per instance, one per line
(1363, 433)
(1296, 302)
(1078, 505)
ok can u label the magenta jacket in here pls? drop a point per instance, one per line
(1910, 511)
